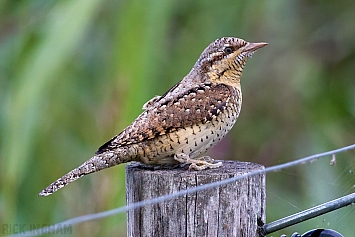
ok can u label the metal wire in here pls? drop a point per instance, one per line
(309, 213)
(95, 216)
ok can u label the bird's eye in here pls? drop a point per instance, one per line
(228, 50)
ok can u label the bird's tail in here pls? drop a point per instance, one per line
(94, 164)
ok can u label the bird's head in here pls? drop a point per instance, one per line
(224, 59)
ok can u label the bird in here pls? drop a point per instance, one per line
(183, 123)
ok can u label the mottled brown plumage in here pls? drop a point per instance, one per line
(178, 126)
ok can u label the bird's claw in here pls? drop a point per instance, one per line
(197, 164)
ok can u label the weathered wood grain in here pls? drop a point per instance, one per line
(233, 209)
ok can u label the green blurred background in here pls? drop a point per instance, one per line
(75, 73)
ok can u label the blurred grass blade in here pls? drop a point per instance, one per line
(67, 24)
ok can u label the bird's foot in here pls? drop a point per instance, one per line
(150, 102)
(197, 164)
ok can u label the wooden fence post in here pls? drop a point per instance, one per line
(234, 209)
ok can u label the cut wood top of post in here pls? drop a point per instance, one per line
(229, 167)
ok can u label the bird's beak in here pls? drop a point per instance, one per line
(251, 47)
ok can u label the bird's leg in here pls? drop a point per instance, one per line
(197, 164)
(150, 102)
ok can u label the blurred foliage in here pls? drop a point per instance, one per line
(75, 73)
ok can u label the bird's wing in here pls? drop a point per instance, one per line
(199, 104)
